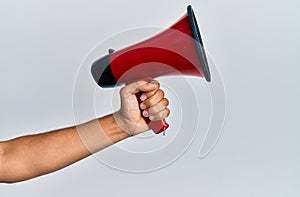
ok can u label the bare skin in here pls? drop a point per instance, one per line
(31, 156)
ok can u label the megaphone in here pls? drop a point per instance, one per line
(180, 47)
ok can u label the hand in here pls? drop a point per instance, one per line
(154, 106)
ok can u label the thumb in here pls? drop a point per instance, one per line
(139, 86)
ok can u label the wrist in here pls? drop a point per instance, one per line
(113, 128)
(130, 125)
(122, 122)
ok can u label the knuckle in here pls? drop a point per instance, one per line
(166, 101)
(161, 93)
(167, 112)
(156, 82)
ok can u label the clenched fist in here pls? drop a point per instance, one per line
(153, 106)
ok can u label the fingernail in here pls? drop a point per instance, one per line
(143, 106)
(143, 97)
(152, 84)
(145, 113)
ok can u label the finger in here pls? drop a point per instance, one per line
(145, 113)
(153, 100)
(161, 105)
(146, 95)
(139, 86)
(160, 115)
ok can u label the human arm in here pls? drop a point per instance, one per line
(34, 155)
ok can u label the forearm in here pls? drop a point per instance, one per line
(34, 155)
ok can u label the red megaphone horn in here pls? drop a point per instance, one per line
(180, 47)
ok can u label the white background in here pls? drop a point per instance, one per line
(254, 43)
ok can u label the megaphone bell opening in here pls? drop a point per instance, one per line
(198, 43)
